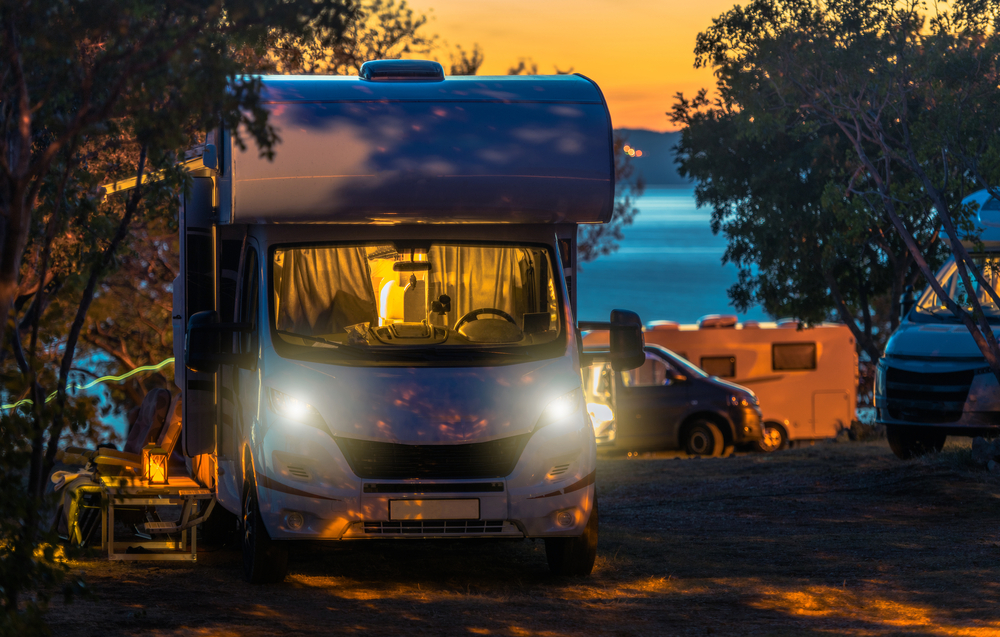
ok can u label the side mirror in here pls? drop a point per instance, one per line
(679, 378)
(203, 343)
(626, 341)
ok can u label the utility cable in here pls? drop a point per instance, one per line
(102, 379)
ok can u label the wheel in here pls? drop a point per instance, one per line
(264, 560)
(574, 555)
(910, 442)
(775, 438)
(703, 438)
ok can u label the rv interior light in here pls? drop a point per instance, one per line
(600, 413)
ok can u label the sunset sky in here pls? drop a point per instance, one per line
(638, 51)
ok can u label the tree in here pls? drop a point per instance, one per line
(466, 62)
(372, 30)
(92, 91)
(801, 251)
(914, 97)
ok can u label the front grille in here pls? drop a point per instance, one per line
(433, 527)
(937, 397)
(494, 459)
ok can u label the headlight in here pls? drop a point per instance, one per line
(879, 378)
(294, 409)
(565, 405)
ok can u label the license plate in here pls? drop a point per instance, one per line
(434, 509)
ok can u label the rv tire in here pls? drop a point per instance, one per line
(703, 438)
(775, 438)
(574, 556)
(910, 442)
(264, 560)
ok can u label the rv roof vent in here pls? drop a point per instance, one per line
(659, 326)
(751, 325)
(717, 320)
(787, 323)
(401, 71)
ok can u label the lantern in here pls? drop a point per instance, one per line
(154, 464)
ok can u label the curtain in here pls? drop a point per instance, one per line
(323, 290)
(477, 277)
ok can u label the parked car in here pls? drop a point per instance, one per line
(667, 403)
(806, 378)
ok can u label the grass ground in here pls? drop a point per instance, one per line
(834, 539)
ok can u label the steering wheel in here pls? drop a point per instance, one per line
(475, 314)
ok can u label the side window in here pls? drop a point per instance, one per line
(249, 298)
(652, 373)
(793, 356)
(721, 366)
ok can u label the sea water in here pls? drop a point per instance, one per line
(668, 266)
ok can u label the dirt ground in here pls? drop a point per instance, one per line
(834, 539)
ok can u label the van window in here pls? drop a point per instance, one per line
(721, 366)
(652, 372)
(793, 356)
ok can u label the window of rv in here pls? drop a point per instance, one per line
(380, 301)
(931, 304)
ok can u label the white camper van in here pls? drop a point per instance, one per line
(805, 379)
(379, 325)
(932, 380)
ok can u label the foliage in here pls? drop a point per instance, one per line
(801, 249)
(909, 98)
(466, 62)
(373, 30)
(596, 240)
(79, 79)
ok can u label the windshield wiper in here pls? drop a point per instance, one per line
(319, 339)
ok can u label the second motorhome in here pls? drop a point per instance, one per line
(379, 324)
(805, 379)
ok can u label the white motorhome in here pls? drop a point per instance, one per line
(932, 381)
(805, 379)
(379, 325)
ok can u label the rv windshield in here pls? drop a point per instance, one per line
(932, 305)
(433, 301)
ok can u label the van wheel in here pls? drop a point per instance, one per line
(775, 438)
(703, 438)
(264, 561)
(574, 555)
(911, 442)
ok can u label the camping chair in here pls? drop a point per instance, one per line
(159, 420)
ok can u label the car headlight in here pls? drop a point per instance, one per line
(295, 409)
(566, 405)
(879, 378)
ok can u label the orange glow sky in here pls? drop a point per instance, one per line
(638, 51)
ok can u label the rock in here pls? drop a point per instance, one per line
(982, 451)
(994, 467)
